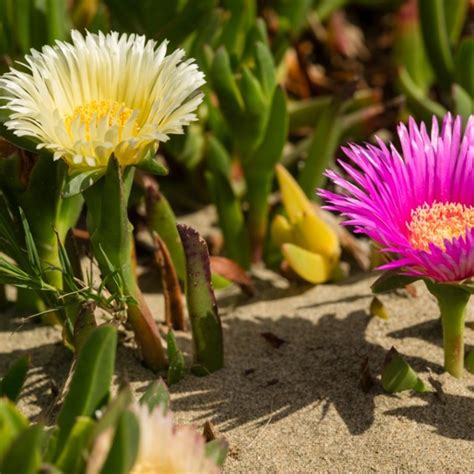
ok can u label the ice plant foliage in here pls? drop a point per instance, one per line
(102, 94)
(168, 448)
(419, 206)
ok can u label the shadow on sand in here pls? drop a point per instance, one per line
(319, 364)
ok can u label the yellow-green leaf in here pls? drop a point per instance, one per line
(310, 266)
(313, 234)
(294, 199)
(281, 230)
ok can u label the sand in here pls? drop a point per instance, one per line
(299, 408)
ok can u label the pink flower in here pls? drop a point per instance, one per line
(419, 206)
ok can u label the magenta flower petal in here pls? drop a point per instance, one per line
(386, 192)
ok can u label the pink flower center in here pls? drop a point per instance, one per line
(435, 223)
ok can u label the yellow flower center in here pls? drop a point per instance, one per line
(92, 113)
(439, 222)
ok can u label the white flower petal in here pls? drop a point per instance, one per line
(102, 94)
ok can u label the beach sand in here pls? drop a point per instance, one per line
(299, 407)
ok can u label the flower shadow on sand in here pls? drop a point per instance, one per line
(319, 364)
(448, 417)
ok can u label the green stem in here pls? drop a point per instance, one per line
(112, 237)
(452, 301)
(258, 189)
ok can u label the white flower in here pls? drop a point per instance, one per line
(102, 94)
(166, 448)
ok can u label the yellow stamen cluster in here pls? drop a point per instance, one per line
(435, 223)
(93, 112)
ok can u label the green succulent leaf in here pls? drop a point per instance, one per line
(463, 102)
(456, 12)
(265, 68)
(269, 152)
(79, 182)
(397, 375)
(229, 210)
(12, 424)
(90, 382)
(124, 448)
(202, 308)
(436, 38)
(419, 103)
(391, 281)
(13, 381)
(25, 461)
(469, 362)
(225, 86)
(113, 412)
(321, 151)
(464, 69)
(217, 450)
(156, 394)
(152, 166)
(162, 220)
(177, 366)
(72, 458)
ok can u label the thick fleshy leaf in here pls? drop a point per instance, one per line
(232, 272)
(156, 394)
(262, 162)
(419, 103)
(219, 282)
(112, 412)
(465, 65)
(124, 449)
(265, 68)
(152, 166)
(281, 230)
(463, 102)
(12, 382)
(162, 220)
(72, 458)
(305, 113)
(224, 83)
(409, 49)
(20, 460)
(456, 13)
(390, 281)
(313, 234)
(79, 182)
(177, 366)
(294, 199)
(241, 16)
(202, 308)
(12, 424)
(469, 362)
(397, 375)
(217, 450)
(104, 430)
(90, 382)
(322, 149)
(436, 39)
(377, 309)
(229, 209)
(310, 266)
